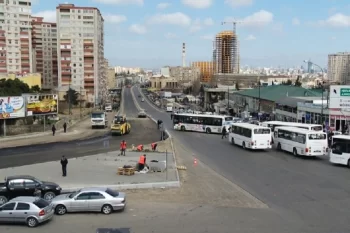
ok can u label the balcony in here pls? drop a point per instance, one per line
(88, 55)
(3, 70)
(66, 72)
(25, 64)
(88, 43)
(88, 68)
(88, 79)
(3, 64)
(66, 79)
(88, 84)
(88, 61)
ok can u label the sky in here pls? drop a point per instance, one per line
(272, 33)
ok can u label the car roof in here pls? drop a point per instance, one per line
(93, 189)
(19, 177)
(24, 199)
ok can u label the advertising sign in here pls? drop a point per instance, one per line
(339, 97)
(12, 107)
(41, 104)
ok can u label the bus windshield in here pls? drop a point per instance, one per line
(96, 115)
(317, 128)
(262, 131)
(228, 118)
(317, 136)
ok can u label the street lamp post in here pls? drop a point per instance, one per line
(322, 86)
(259, 99)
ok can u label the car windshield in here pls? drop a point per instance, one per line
(73, 194)
(112, 193)
(118, 120)
(38, 181)
(41, 203)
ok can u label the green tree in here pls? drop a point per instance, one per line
(13, 87)
(71, 96)
(237, 86)
(35, 89)
(287, 83)
(297, 82)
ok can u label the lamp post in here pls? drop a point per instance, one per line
(259, 83)
(306, 61)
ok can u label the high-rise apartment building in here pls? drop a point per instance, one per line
(226, 53)
(44, 43)
(81, 50)
(206, 69)
(339, 68)
(15, 36)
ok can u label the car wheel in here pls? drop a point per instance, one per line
(3, 200)
(32, 222)
(49, 196)
(106, 209)
(60, 210)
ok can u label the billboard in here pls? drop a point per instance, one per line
(339, 96)
(12, 107)
(41, 104)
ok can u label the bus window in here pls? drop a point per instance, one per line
(261, 131)
(317, 128)
(317, 136)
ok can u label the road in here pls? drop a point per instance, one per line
(309, 193)
(142, 131)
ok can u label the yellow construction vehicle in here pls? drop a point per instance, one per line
(120, 126)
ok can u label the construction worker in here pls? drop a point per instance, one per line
(122, 147)
(139, 147)
(154, 146)
(142, 162)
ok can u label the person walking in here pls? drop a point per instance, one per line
(122, 148)
(65, 127)
(64, 163)
(224, 133)
(142, 162)
(53, 130)
(154, 146)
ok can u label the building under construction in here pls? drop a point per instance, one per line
(226, 53)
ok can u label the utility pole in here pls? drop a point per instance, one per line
(69, 99)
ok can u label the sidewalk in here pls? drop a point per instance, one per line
(78, 130)
(101, 170)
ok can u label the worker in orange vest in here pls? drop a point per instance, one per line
(154, 146)
(142, 162)
(122, 147)
(139, 147)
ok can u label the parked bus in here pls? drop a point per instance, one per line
(200, 123)
(301, 141)
(169, 107)
(340, 153)
(250, 136)
(273, 124)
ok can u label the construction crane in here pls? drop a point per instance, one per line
(234, 23)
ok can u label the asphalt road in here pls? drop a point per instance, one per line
(308, 193)
(143, 131)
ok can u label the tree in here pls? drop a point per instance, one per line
(71, 96)
(287, 83)
(128, 72)
(297, 82)
(237, 86)
(35, 89)
(13, 87)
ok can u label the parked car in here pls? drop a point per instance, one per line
(29, 210)
(142, 114)
(103, 200)
(15, 186)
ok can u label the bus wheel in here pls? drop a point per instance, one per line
(279, 146)
(183, 128)
(208, 130)
(232, 141)
(295, 152)
(349, 163)
(243, 145)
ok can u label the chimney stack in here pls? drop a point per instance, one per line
(183, 55)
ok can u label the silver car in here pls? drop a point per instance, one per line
(103, 200)
(29, 210)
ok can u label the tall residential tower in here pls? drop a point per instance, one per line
(339, 68)
(226, 53)
(81, 50)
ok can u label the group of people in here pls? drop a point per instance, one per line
(53, 128)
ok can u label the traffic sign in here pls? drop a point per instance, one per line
(339, 97)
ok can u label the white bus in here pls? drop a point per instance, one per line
(200, 123)
(273, 124)
(169, 107)
(250, 136)
(340, 153)
(301, 141)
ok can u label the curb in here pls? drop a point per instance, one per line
(170, 184)
(166, 131)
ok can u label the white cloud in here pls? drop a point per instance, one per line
(295, 21)
(163, 5)
(238, 3)
(114, 18)
(170, 35)
(199, 4)
(207, 37)
(138, 29)
(251, 37)
(121, 2)
(196, 26)
(49, 16)
(208, 22)
(178, 19)
(258, 19)
(337, 20)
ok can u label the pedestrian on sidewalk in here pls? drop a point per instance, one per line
(122, 148)
(65, 127)
(53, 130)
(64, 163)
